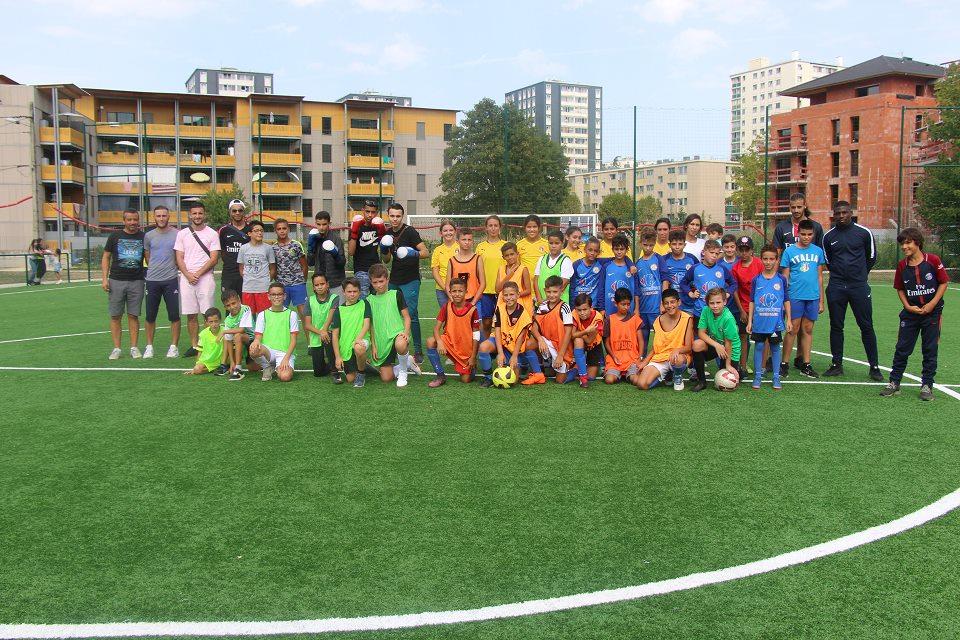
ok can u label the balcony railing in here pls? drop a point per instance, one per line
(277, 159)
(68, 173)
(162, 130)
(69, 208)
(385, 135)
(276, 130)
(195, 131)
(288, 188)
(67, 136)
(370, 189)
(269, 215)
(787, 174)
(370, 162)
(199, 189)
(788, 143)
(197, 160)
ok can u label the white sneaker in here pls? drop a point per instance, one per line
(148, 351)
(173, 352)
(267, 375)
(135, 353)
(402, 379)
(115, 354)
(678, 383)
(414, 368)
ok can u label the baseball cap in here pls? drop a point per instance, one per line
(236, 203)
(745, 241)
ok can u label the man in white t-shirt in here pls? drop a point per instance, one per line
(197, 248)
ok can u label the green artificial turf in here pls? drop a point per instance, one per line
(155, 496)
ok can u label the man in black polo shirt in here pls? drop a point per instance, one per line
(851, 253)
(233, 235)
(406, 252)
(787, 232)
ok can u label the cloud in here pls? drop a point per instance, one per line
(830, 5)
(401, 53)
(61, 31)
(396, 6)
(573, 5)
(282, 27)
(665, 11)
(695, 43)
(156, 10)
(727, 11)
(535, 62)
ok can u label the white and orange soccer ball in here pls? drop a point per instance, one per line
(726, 380)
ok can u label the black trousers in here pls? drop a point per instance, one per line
(857, 297)
(231, 282)
(912, 326)
(323, 360)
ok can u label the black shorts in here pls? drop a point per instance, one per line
(169, 292)
(231, 282)
(595, 356)
(391, 357)
(774, 338)
(350, 366)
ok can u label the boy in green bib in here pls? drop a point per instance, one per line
(209, 344)
(554, 263)
(237, 334)
(390, 332)
(317, 317)
(275, 337)
(350, 328)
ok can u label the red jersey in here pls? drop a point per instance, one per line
(744, 276)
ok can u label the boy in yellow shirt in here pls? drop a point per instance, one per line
(209, 344)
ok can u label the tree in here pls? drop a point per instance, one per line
(648, 209)
(571, 204)
(938, 196)
(535, 180)
(616, 205)
(216, 204)
(748, 196)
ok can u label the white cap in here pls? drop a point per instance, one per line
(236, 203)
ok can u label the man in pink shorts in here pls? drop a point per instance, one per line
(197, 248)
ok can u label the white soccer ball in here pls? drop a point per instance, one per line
(377, 220)
(386, 241)
(403, 252)
(313, 232)
(328, 245)
(726, 380)
(357, 218)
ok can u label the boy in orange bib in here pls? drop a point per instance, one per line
(455, 336)
(623, 338)
(467, 266)
(511, 327)
(587, 336)
(552, 332)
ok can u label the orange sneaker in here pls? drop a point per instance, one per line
(535, 378)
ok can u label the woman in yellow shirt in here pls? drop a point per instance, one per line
(441, 258)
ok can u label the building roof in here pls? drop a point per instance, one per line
(7, 80)
(190, 97)
(875, 68)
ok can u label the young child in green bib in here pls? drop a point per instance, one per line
(350, 329)
(209, 344)
(275, 337)
(390, 331)
(317, 317)
(237, 334)
(554, 263)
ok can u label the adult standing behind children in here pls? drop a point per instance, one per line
(122, 267)
(406, 252)
(364, 245)
(233, 235)
(197, 248)
(851, 253)
(162, 281)
(328, 257)
(787, 232)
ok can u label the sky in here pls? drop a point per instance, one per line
(670, 58)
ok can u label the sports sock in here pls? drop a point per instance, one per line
(698, 364)
(580, 357)
(679, 370)
(533, 361)
(403, 361)
(486, 364)
(654, 383)
(776, 352)
(434, 356)
(263, 362)
(758, 362)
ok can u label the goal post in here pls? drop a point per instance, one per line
(512, 223)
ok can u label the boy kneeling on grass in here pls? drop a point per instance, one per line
(209, 344)
(920, 280)
(275, 337)
(237, 334)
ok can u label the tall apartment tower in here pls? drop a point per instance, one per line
(228, 81)
(570, 114)
(761, 85)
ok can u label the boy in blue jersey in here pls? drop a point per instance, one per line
(768, 303)
(802, 266)
(706, 276)
(588, 274)
(619, 273)
(648, 283)
(674, 266)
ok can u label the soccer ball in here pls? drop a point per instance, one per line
(504, 377)
(726, 380)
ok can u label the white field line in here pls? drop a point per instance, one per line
(48, 287)
(66, 335)
(944, 388)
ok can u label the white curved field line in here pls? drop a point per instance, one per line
(51, 287)
(66, 335)
(937, 509)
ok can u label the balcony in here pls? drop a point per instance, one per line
(162, 130)
(186, 188)
(68, 173)
(787, 175)
(368, 189)
(113, 157)
(225, 133)
(69, 209)
(115, 186)
(196, 131)
(188, 160)
(779, 206)
(276, 130)
(788, 144)
(194, 189)
(370, 162)
(119, 130)
(290, 216)
(276, 188)
(67, 136)
(277, 159)
(370, 135)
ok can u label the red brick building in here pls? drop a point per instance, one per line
(846, 144)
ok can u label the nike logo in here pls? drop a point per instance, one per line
(834, 242)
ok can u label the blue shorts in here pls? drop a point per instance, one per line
(648, 320)
(487, 305)
(442, 298)
(296, 295)
(809, 309)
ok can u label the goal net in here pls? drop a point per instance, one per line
(511, 224)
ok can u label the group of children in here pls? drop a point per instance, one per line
(551, 305)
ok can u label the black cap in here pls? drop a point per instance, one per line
(745, 241)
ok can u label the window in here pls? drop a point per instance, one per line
(854, 194)
(326, 125)
(273, 118)
(447, 132)
(421, 182)
(918, 128)
(411, 207)
(854, 163)
(191, 121)
(122, 117)
(671, 185)
(305, 124)
(919, 90)
(871, 90)
(834, 194)
(835, 164)
(307, 207)
(411, 157)
(671, 169)
(326, 153)
(836, 131)
(363, 123)
(447, 158)
(683, 186)
(306, 178)
(421, 131)
(855, 129)
(307, 152)
(328, 205)
(326, 180)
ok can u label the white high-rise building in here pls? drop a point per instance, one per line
(570, 114)
(229, 82)
(753, 90)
